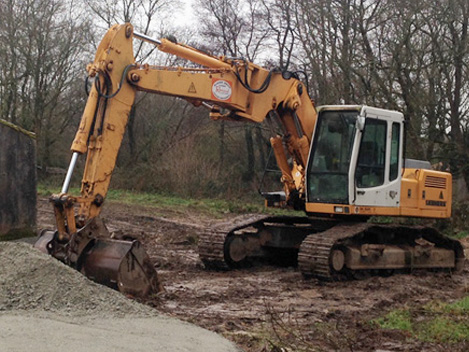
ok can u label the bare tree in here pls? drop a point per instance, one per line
(43, 55)
(327, 41)
(237, 29)
(455, 16)
(280, 19)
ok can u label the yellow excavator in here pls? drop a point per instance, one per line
(340, 164)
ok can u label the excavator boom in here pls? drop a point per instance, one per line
(249, 92)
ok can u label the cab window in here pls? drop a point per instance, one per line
(330, 157)
(372, 155)
(394, 165)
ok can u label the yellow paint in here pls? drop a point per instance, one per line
(104, 120)
(412, 204)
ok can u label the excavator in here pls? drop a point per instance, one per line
(340, 164)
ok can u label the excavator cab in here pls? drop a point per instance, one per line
(356, 167)
(356, 158)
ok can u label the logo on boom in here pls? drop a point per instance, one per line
(221, 89)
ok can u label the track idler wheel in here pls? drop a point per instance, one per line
(235, 251)
(337, 259)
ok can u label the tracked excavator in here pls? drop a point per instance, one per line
(340, 164)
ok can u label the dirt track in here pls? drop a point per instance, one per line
(261, 304)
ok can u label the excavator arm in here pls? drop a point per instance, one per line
(223, 84)
(231, 88)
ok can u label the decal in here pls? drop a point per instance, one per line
(436, 203)
(221, 89)
(192, 88)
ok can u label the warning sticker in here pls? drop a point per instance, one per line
(192, 88)
(221, 89)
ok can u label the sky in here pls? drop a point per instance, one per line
(186, 16)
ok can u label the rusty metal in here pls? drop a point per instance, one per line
(236, 248)
(313, 257)
(399, 257)
(211, 250)
(44, 241)
(337, 259)
(48, 242)
(211, 245)
(122, 265)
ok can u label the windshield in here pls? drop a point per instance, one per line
(329, 162)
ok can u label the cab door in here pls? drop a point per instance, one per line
(375, 175)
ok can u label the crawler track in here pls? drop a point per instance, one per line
(211, 250)
(214, 243)
(315, 258)
(327, 249)
(315, 251)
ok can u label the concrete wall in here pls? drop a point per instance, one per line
(17, 179)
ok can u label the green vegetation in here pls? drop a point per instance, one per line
(459, 307)
(434, 322)
(15, 234)
(460, 235)
(211, 207)
(443, 329)
(396, 320)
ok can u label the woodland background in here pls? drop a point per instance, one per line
(411, 56)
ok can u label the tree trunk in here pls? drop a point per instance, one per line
(250, 161)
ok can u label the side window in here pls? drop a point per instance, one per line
(394, 167)
(372, 155)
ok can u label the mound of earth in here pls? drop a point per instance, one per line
(47, 306)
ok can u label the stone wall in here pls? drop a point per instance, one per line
(17, 179)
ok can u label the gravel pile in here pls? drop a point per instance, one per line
(45, 306)
(31, 280)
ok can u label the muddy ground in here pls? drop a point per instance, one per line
(265, 308)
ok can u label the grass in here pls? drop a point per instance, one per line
(443, 329)
(435, 322)
(212, 207)
(16, 234)
(461, 235)
(460, 307)
(396, 320)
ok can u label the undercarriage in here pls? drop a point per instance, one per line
(330, 249)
